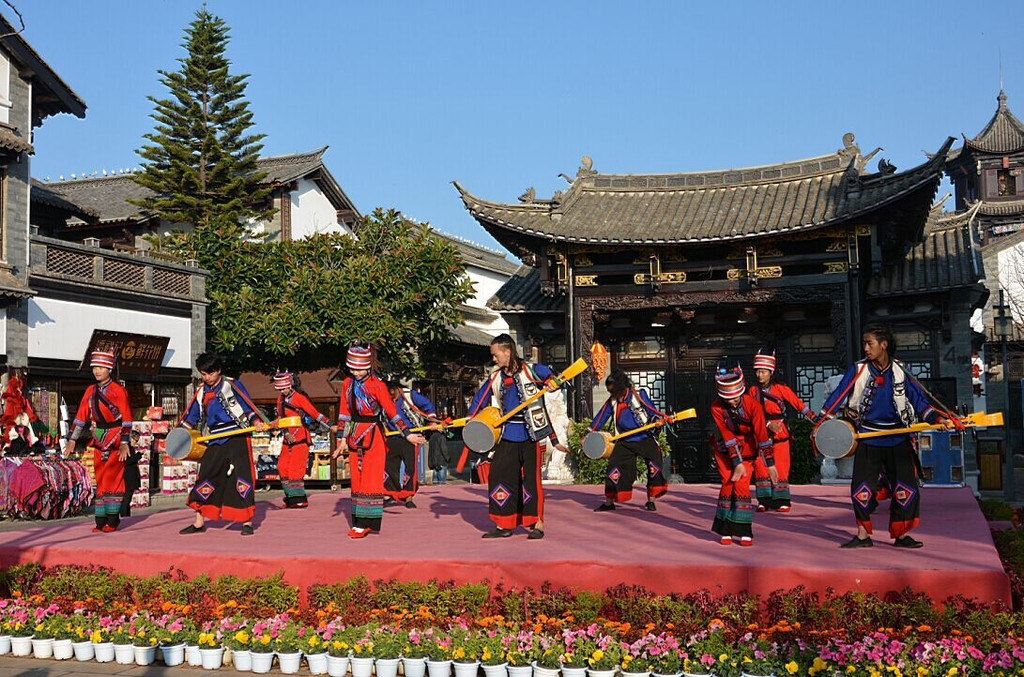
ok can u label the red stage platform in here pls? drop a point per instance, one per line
(671, 550)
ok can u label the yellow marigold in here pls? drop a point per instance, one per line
(819, 664)
(314, 641)
(597, 655)
(265, 639)
(242, 637)
(724, 657)
(792, 667)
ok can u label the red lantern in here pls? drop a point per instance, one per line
(599, 359)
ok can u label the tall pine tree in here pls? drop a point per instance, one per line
(201, 159)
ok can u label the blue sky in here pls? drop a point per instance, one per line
(502, 96)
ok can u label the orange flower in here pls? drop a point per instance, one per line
(924, 628)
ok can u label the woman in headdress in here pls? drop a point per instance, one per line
(294, 458)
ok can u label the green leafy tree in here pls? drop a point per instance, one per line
(301, 303)
(200, 161)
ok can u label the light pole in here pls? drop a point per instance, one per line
(1003, 325)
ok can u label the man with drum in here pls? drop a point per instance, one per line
(416, 410)
(514, 482)
(628, 409)
(106, 410)
(878, 394)
(225, 484)
(744, 439)
(774, 397)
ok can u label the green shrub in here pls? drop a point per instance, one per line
(994, 509)
(589, 471)
(804, 465)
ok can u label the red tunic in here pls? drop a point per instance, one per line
(743, 430)
(774, 399)
(108, 408)
(298, 404)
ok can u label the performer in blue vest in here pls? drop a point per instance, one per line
(629, 408)
(225, 483)
(876, 394)
(416, 411)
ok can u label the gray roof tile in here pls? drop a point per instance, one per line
(522, 293)
(1004, 133)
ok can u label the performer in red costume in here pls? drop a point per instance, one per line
(744, 438)
(294, 458)
(361, 433)
(774, 397)
(105, 408)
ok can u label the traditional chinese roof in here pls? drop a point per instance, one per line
(1001, 208)
(1004, 133)
(10, 140)
(947, 258)
(704, 207)
(107, 196)
(50, 94)
(522, 293)
(477, 255)
(42, 194)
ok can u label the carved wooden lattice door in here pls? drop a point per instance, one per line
(694, 388)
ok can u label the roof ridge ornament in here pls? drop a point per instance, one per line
(529, 196)
(1001, 99)
(586, 167)
(851, 151)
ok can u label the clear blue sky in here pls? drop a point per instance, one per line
(502, 96)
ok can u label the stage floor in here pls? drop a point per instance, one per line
(671, 550)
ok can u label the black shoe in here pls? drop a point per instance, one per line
(907, 542)
(409, 503)
(650, 506)
(856, 542)
(604, 506)
(498, 533)
(536, 534)
(388, 500)
(193, 529)
(247, 530)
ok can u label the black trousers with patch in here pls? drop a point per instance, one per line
(897, 464)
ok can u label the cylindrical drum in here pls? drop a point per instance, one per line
(181, 445)
(484, 431)
(597, 444)
(835, 438)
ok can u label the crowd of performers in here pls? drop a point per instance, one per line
(378, 426)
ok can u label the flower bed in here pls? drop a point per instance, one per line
(624, 628)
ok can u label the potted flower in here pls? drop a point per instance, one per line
(339, 645)
(709, 653)
(121, 636)
(211, 650)
(573, 658)
(519, 653)
(361, 662)
(493, 650)
(604, 655)
(20, 629)
(546, 654)
(238, 640)
(173, 633)
(288, 646)
(64, 634)
(388, 644)
(144, 640)
(414, 655)
(466, 650)
(261, 647)
(315, 649)
(6, 606)
(103, 648)
(664, 655)
(635, 662)
(81, 642)
(42, 639)
(438, 648)
(760, 659)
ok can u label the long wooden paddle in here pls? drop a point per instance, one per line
(678, 416)
(979, 418)
(285, 422)
(456, 423)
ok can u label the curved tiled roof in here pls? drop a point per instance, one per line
(705, 206)
(1004, 133)
(522, 293)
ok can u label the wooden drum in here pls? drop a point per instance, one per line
(482, 433)
(182, 445)
(835, 438)
(598, 444)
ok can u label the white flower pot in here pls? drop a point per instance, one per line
(667, 674)
(337, 666)
(698, 674)
(212, 658)
(439, 668)
(574, 671)
(466, 669)
(145, 655)
(192, 655)
(103, 651)
(242, 660)
(520, 670)
(262, 661)
(387, 667)
(756, 674)
(361, 667)
(600, 673)
(499, 670)
(62, 649)
(317, 663)
(5, 644)
(21, 646)
(84, 650)
(289, 662)
(42, 648)
(636, 674)
(124, 654)
(414, 667)
(173, 654)
(540, 671)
